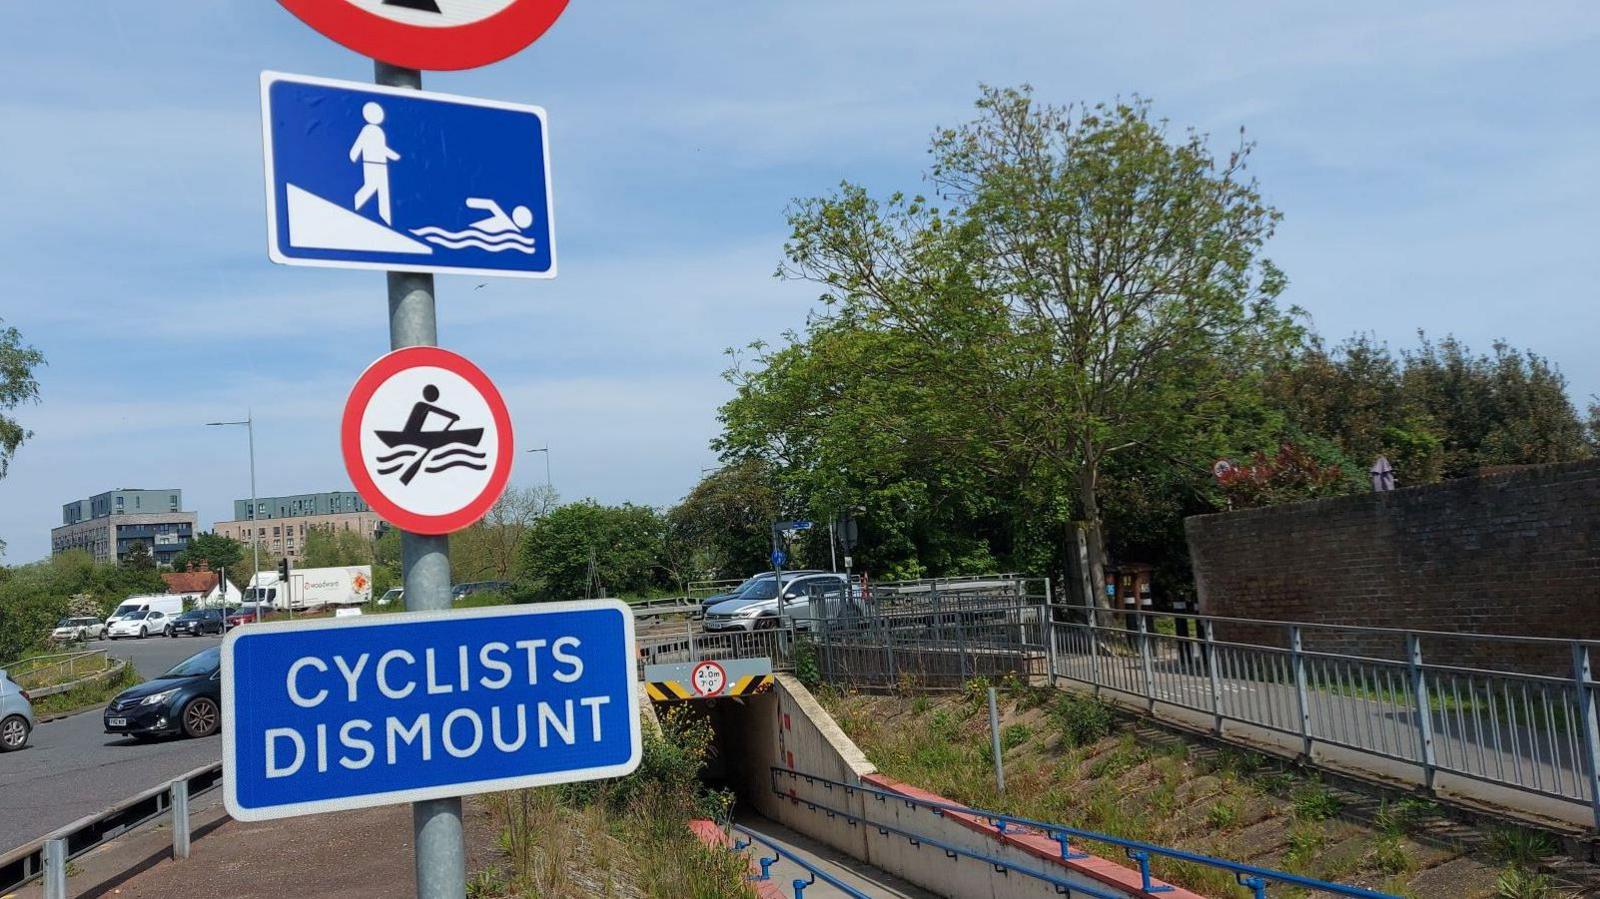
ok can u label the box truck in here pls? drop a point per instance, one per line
(313, 588)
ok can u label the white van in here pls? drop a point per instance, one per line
(169, 607)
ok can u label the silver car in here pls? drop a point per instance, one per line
(16, 715)
(805, 598)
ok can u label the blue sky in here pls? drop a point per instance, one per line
(1435, 163)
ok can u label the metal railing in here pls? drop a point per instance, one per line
(777, 644)
(1252, 877)
(1426, 700)
(779, 852)
(47, 856)
(43, 671)
(936, 641)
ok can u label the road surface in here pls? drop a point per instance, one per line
(71, 768)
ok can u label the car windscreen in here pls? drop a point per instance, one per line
(136, 616)
(66, 622)
(200, 664)
(766, 589)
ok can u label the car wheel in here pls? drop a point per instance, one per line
(13, 733)
(766, 624)
(144, 632)
(201, 718)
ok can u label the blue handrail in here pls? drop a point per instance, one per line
(1062, 886)
(815, 872)
(1242, 872)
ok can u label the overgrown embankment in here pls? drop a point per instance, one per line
(626, 837)
(1070, 760)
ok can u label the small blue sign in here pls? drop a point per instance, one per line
(778, 558)
(368, 177)
(346, 713)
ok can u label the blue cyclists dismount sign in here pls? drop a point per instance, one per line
(346, 713)
(368, 177)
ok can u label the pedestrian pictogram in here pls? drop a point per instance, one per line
(378, 178)
(431, 34)
(708, 678)
(427, 440)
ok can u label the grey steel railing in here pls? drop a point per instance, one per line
(47, 856)
(1494, 709)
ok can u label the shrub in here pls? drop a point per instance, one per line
(1014, 735)
(1520, 847)
(1082, 719)
(1388, 854)
(1222, 815)
(1315, 802)
(1519, 883)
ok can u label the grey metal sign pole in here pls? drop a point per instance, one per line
(440, 848)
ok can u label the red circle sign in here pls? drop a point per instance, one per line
(427, 440)
(431, 34)
(708, 679)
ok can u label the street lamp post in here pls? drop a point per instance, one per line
(255, 541)
(546, 450)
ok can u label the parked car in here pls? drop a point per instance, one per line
(72, 630)
(805, 598)
(737, 592)
(186, 700)
(393, 596)
(246, 614)
(166, 604)
(462, 591)
(16, 715)
(197, 623)
(141, 625)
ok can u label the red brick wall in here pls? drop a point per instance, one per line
(1515, 553)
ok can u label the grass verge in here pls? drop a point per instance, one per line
(87, 696)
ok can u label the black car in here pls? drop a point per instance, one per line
(186, 700)
(198, 623)
(462, 591)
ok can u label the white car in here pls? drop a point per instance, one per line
(71, 630)
(141, 625)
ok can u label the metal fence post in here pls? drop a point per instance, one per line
(1048, 622)
(1297, 659)
(180, 819)
(1094, 652)
(1209, 630)
(1583, 677)
(689, 623)
(55, 869)
(994, 738)
(1424, 710)
(888, 649)
(1147, 663)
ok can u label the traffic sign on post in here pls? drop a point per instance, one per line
(347, 713)
(371, 177)
(431, 34)
(427, 440)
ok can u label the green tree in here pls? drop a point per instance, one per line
(722, 528)
(1094, 287)
(580, 549)
(216, 552)
(326, 547)
(488, 550)
(17, 386)
(138, 557)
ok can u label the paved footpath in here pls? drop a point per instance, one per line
(343, 855)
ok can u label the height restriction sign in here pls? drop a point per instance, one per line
(431, 34)
(427, 440)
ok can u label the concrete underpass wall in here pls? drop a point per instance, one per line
(787, 728)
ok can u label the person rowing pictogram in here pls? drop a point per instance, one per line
(416, 440)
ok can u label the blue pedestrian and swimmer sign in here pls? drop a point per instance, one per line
(346, 713)
(369, 177)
